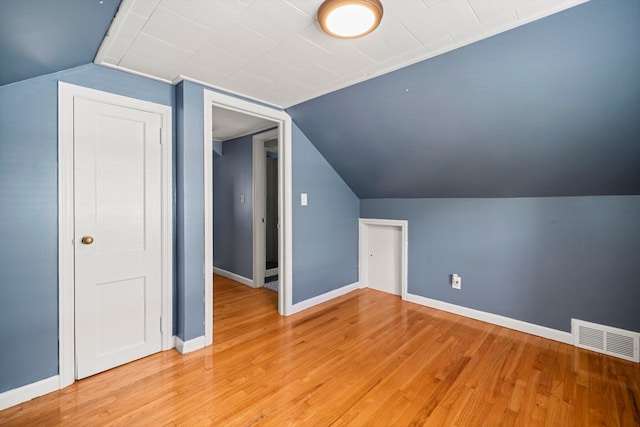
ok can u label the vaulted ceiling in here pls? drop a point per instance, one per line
(275, 52)
(426, 106)
(44, 36)
(547, 109)
(269, 50)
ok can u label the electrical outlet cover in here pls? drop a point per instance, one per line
(456, 281)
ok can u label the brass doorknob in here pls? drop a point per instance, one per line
(87, 240)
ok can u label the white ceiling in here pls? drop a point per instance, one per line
(274, 51)
(230, 124)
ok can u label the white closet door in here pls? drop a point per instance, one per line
(384, 251)
(117, 177)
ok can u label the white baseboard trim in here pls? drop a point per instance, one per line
(303, 305)
(27, 392)
(496, 319)
(233, 276)
(184, 347)
(272, 272)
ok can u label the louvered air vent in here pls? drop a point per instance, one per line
(606, 339)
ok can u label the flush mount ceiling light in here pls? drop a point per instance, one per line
(349, 19)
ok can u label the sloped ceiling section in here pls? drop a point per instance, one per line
(44, 36)
(273, 51)
(548, 109)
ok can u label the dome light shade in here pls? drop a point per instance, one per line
(349, 19)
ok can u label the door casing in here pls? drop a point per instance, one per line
(66, 264)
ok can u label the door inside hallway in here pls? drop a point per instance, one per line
(271, 209)
(118, 235)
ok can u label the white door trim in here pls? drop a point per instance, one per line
(364, 224)
(283, 121)
(260, 206)
(66, 282)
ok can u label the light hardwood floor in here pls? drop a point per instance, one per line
(364, 359)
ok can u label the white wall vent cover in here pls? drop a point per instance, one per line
(606, 339)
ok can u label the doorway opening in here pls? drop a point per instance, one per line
(217, 102)
(265, 210)
(271, 215)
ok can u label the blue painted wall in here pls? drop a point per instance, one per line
(28, 214)
(540, 260)
(325, 233)
(232, 220)
(189, 158)
(217, 148)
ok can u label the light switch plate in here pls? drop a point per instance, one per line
(303, 199)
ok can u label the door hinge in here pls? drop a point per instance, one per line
(161, 324)
(160, 130)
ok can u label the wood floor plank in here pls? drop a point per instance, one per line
(366, 358)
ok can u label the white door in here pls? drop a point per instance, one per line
(117, 176)
(384, 252)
